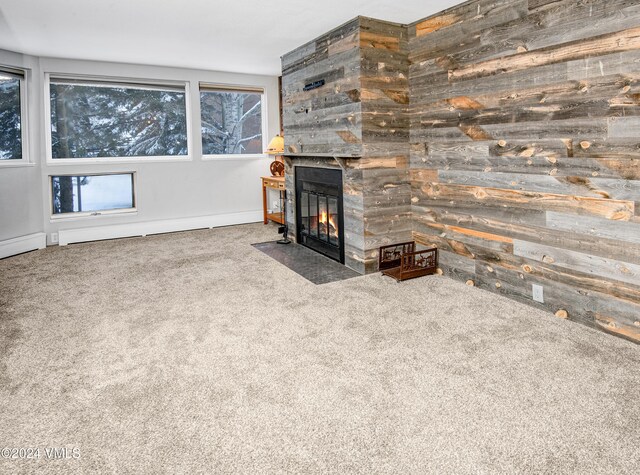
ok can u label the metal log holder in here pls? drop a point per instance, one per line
(402, 261)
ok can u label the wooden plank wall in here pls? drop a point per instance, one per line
(326, 121)
(525, 152)
(385, 134)
(357, 121)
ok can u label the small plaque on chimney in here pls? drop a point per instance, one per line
(313, 85)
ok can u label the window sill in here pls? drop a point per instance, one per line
(106, 160)
(226, 158)
(93, 214)
(16, 164)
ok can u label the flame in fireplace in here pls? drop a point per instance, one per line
(333, 227)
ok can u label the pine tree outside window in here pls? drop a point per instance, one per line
(100, 119)
(12, 115)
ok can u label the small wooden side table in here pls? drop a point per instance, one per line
(276, 183)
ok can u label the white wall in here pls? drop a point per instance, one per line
(20, 192)
(165, 190)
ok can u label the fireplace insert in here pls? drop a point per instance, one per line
(319, 213)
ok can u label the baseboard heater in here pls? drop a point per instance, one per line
(115, 231)
(30, 242)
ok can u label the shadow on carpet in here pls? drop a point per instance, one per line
(314, 267)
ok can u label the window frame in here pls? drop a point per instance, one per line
(94, 214)
(22, 75)
(111, 81)
(219, 87)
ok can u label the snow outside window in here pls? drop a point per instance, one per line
(96, 118)
(92, 194)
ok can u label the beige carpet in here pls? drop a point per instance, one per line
(196, 353)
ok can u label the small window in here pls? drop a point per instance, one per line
(232, 120)
(92, 194)
(93, 119)
(11, 114)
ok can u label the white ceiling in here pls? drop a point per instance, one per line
(232, 35)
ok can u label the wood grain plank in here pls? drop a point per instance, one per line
(625, 40)
(461, 194)
(602, 228)
(529, 227)
(589, 264)
(617, 189)
(564, 22)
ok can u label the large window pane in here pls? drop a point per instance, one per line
(231, 122)
(95, 120)
(10, 118)
(76, 194)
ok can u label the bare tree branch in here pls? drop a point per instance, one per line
(216, 129)
(250, 112)
(245, 116)
(247, 139)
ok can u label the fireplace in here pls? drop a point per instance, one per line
(319, 211)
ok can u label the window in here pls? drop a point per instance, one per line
(93, 119)
(92, 194)
(232, 120)
(12, 103)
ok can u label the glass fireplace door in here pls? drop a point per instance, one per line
(319, 210)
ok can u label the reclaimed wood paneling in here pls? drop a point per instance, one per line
(506, 132)
(525, 152)
(385, 134)
(357, 120)
(325, 120)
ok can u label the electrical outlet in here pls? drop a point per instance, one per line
(54, 238)
(538, 295)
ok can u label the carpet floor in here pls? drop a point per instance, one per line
(196, 353)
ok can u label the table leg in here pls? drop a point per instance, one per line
(283, 206)
(264, 204)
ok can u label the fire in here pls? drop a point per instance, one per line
(333, 226)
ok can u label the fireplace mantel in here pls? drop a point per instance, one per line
(321, 155)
